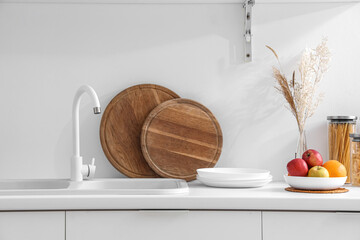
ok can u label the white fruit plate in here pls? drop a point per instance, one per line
(233, 173)
(315, 183)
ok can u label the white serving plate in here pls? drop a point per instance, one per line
(234, 183)
(233, 173)
(315, 183)
(233, 180)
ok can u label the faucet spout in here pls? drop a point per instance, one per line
(76, 173)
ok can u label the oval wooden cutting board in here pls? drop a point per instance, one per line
(178, 137)
(121, 126)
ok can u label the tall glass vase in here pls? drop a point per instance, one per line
(301, 144)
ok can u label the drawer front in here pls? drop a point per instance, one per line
(163, 225)
(311, 225)
(32, 225)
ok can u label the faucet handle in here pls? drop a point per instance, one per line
(88, 170)
(92, 169)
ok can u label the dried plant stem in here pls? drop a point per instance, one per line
(300, 95)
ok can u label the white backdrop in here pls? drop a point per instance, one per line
(48, 50)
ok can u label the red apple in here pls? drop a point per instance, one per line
(297, 167)
(312, 158)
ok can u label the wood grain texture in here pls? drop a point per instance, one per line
(338, 190)
(121, 126)
(180, 136)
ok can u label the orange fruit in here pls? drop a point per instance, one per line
(335, 168)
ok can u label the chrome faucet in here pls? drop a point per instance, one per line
(78, 169)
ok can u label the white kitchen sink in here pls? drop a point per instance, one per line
(8, 185)
(123, 186)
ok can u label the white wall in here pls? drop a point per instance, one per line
(48, 50)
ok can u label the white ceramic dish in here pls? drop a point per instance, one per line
(234, 183)
(211, 179)
(315, 183)
(233, 173)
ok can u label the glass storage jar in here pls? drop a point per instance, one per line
(355, 159)
(339, 130)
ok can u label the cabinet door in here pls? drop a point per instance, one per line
(310, 225)
(163, 225)
(32, 225)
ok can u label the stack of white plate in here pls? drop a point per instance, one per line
(234, 177)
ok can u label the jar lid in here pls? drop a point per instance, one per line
(355, 137)
(342, 118)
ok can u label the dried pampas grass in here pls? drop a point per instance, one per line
(301, 94)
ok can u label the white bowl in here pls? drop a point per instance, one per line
(315, 183)
(233, 173)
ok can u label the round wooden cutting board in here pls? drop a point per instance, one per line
(178, 137)
(121, 125)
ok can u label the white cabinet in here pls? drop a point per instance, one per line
(163, 225)
(32, 225)
(178, 225)
(310, 225)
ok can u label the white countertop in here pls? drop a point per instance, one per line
(271, 197)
